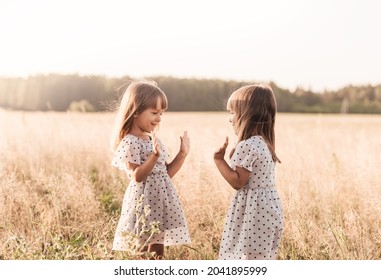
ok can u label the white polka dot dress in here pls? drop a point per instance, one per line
(159, 193)
(254, 221)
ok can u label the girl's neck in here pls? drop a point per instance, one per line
(140, 134)
(143, 136)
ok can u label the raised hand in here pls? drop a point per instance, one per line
(185, 144)
(155, 144)
(220, 153)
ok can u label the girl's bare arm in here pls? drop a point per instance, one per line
(236, 178)
(140, 172)
(177, 162)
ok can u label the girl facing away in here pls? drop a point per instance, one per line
(254, 221)
(143, 157)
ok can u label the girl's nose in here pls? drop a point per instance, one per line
(230, 120)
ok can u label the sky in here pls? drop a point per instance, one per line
(318, 45)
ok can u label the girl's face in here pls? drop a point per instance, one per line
(148, 120)
(233, 121)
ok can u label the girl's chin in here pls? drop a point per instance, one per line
(151, 129)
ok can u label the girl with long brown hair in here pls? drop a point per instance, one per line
(150, 195)
(254, 220)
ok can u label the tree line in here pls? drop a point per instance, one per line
(56, 92)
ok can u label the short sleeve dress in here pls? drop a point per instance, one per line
(158, 192)
(254, 221)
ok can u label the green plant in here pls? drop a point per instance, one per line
(138, 239)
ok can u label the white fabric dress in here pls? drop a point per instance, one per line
(159, 193)
(254, 221)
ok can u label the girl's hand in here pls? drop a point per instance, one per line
(155, 144)
(220, 153)
(185, 144)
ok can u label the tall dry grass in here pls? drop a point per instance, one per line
(60, 198)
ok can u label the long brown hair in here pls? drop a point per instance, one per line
(139, 96)
(255, 108)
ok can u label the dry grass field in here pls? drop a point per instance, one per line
(60, 198)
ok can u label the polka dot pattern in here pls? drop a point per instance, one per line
(254, 221)
(158, 192)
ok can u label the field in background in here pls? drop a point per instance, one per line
(60, 198)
